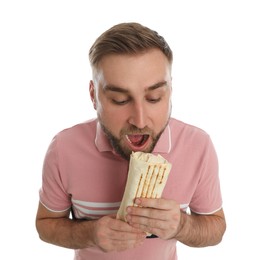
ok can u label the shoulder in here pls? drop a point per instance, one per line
(180, 128)
(72, 142)
(189, 137)
(82, 134)
(83, 130)
(183, 126)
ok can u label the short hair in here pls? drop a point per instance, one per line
(127, 38)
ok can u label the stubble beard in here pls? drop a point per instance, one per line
(124, 151)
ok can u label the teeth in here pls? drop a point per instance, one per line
(128, 139)
(137, 139)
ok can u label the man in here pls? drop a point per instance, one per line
(85, 168)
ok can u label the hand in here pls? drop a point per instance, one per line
(111, 234)
(160, 217)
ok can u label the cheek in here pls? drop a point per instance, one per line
(162, 112)
(113, 119)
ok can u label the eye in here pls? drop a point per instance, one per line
(153, 100)
(120, 102)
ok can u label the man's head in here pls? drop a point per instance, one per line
(127, 38)
(131, 86)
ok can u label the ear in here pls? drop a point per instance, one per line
(92, 94)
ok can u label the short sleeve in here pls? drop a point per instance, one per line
(207, 197)
(52, 193)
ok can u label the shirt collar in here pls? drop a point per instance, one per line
(162, 146)
(101, 140)
(164, 143)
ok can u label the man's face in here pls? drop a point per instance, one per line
(131, 94)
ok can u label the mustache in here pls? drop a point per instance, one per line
(135, 130)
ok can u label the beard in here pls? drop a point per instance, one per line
(123, 150)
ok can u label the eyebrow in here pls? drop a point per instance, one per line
(114, 88)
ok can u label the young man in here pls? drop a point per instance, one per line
(85, 168)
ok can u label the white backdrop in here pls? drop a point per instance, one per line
(44, 75)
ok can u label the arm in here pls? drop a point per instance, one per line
(201, 230)
(56, 228)
(107, 233)
(165, 219)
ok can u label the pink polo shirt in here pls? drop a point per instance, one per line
(82, 171)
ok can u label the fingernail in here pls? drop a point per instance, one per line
(137, 201)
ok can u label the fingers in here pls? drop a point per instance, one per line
(119, 241)
(155, 203)
(115, 235)
(156, 216)
(131, 233)
(151, 213)
(149, 224)
(123, 227)
(159, 209)
(164, 229)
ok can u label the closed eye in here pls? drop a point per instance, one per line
(120, 102)
(153, 100)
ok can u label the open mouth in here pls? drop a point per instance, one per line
(137, 140)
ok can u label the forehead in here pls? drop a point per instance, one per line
(144, 69)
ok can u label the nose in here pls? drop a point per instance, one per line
(138, 116)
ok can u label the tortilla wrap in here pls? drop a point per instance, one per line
(147, 177)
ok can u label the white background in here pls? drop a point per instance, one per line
(44, 75)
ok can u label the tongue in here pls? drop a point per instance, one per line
(136, 139)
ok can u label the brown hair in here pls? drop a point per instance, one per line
(127, 38)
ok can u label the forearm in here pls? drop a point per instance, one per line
(67, 233)
(201, 230)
